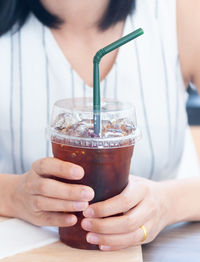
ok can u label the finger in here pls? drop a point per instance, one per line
(57, 205)
(58, 168)
(129, 239)
(55, 189)
(129, 222)
(112, 248)
(55, 219)
(131, 196)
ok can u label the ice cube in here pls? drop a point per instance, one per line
(62, 121)
(125, 125)
(87, 122)
(85, 127)
(128, 128)
(77, 130)
(113, 133)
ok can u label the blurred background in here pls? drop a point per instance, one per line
(193, 111)
(193, 106)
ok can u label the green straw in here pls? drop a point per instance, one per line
(96, 75)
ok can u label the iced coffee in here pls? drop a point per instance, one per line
(105, 159)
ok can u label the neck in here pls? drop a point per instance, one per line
(78, 15)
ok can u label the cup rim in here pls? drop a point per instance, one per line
(99, 142)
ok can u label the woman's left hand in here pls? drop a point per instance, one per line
(142, 202)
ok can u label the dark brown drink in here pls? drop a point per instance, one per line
(106, 171)
(105, 159)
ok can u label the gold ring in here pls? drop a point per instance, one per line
(145, 233)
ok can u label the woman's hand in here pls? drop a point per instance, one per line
(45, 201)
(142, 202)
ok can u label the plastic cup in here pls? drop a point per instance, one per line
(105, 159)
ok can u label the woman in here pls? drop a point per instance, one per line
(50, 57)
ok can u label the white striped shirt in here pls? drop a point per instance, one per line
(35, 73)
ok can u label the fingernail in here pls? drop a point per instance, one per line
(105, 248)
(70, 220)
(92, 238)
(89, 212)
(86, 195)
(80, 206)
(86, 225)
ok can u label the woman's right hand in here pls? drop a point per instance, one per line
(43, 201)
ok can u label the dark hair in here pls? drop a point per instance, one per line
(15, 12)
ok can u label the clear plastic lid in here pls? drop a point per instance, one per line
(72, 124)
